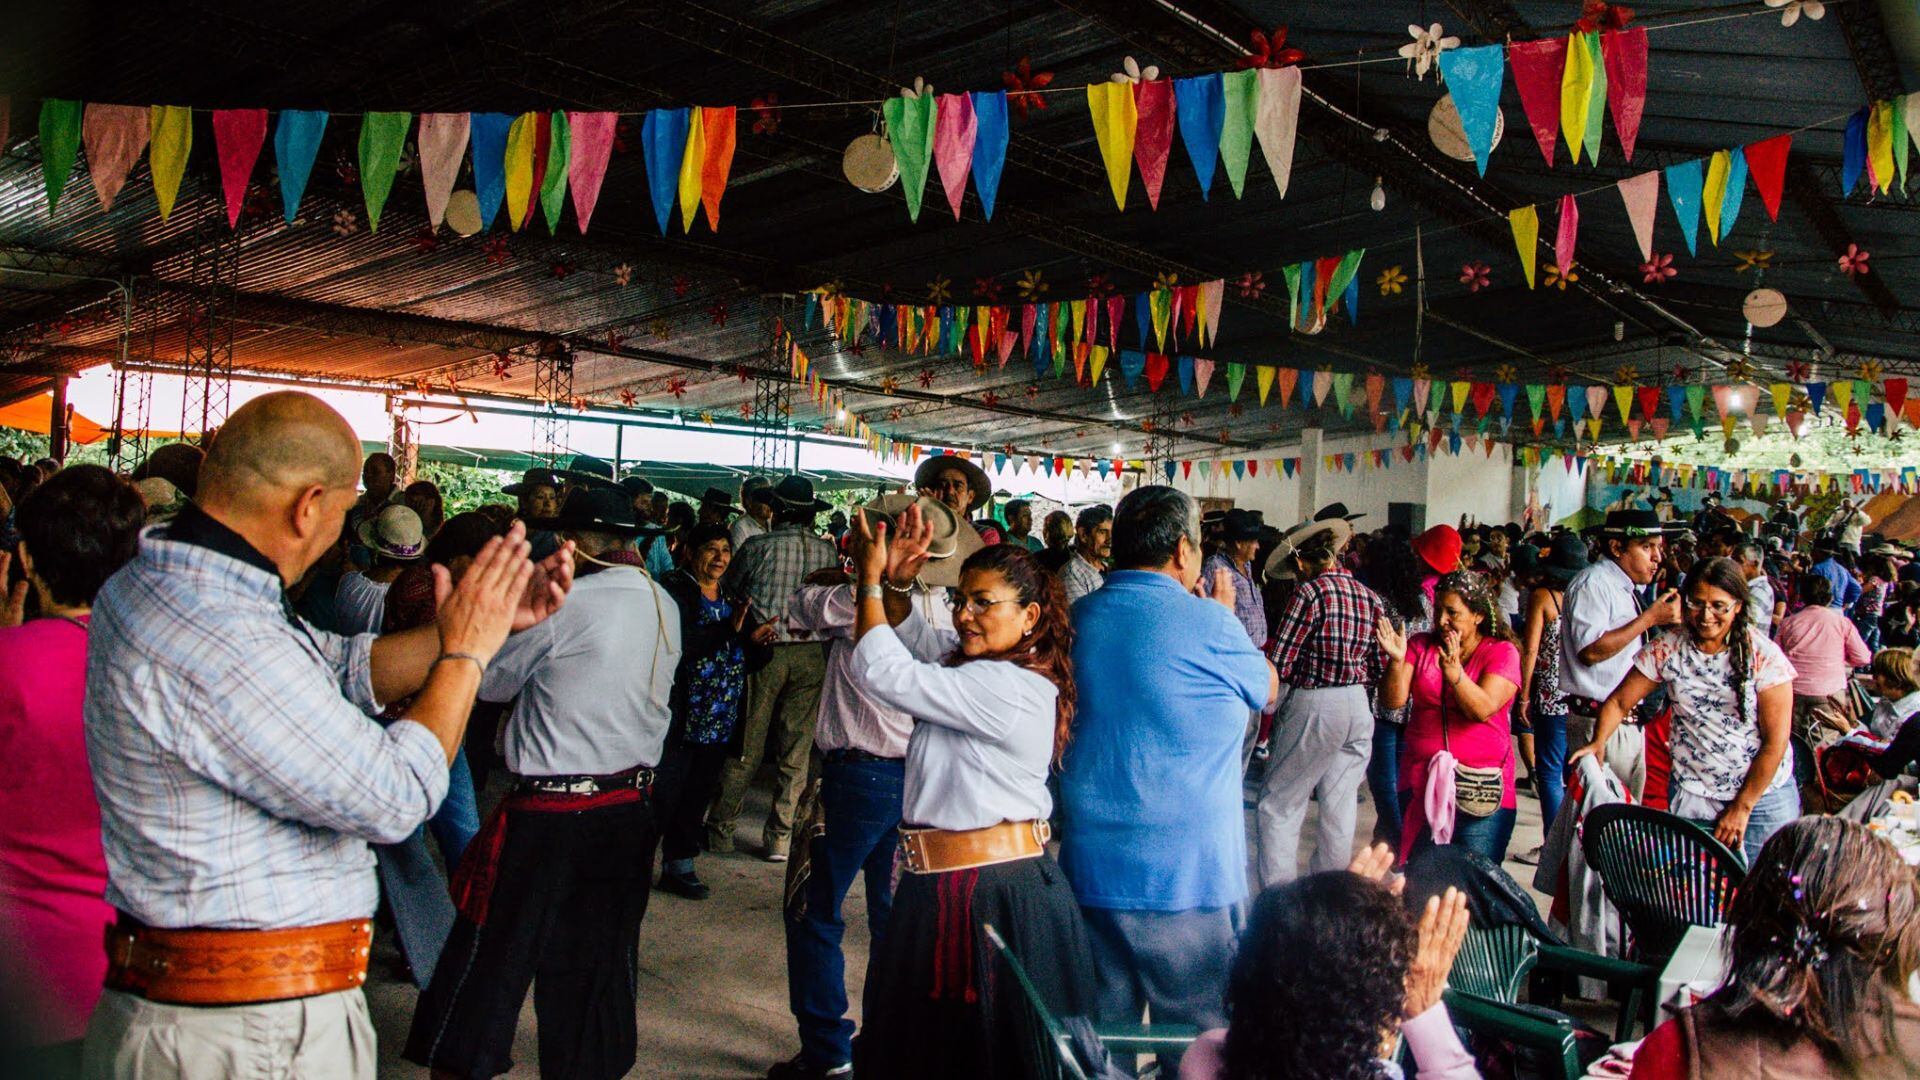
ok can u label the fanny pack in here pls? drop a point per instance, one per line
(1477, 790)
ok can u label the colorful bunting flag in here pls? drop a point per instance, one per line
(382, 136)
(1767, 162)
(115, 136)
(1526, 238)
(1201, 107)
(1153, 134)
(718, 132)
(1538, 70)
(1684, 183)
(663, 142)
(1276, 119)
(1115, 120)
(60, 121)
(171, 128)
(910, 128)
(1241, 90)
(989, 146)
(592, 135)
(238, 135)
(1473, 77)
(1625, 55)
(954, 129)
(487, 135)
(442, 142)
(1569, 229)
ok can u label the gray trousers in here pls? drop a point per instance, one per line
(1320, 745)
(1174, 963)
(782, 698)
(329, 1037)
(1626, 749)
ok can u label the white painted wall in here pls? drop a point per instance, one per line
(1275, 495)
(1561, 492)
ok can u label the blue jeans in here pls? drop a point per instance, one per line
(1775, 811)
(1383, 783)
(862, 801)
(458, 819)
(1550, 764)
(1486, 835)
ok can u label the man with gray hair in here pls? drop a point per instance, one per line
(1092, 546)
(1752, 557)
(1155, 840)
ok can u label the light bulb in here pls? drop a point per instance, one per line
(843, 414)
(1733, 401)
(1378, 200)
(1116, 448)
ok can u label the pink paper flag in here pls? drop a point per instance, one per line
(443, 142)
(238, 135)
(1212, 294)
(1116, 306)
(1569, 229)
(1624, 53)
(114, 136)
(591, 135)
(1537, 69)
(1277, 120)
(1153, 135)
(1202, 374)
(954, 128)
(1642, 196)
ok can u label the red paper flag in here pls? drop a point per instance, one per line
(1896, 391)
(1156, 370)
(1186, 469)
(1482, 397)
(238, 135)
(1537, 70)
(1153, 135)
(1624, 53)
(592, 134)
(1649, 399)
(718, 127)
(1767, 164)
(1569, 229)
(1116, 307)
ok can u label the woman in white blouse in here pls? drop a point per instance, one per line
(992, 701)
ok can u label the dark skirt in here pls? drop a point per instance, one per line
(936, 1003)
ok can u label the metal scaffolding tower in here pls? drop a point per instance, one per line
(774, 451)
(213, 268)
(553, 386)
(1161, 444)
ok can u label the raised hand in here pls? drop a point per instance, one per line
(547, 587)
(870, 552)
(1666, 610)
(1443, 926)
(1223, 588)
(1393, 641)
(1376, 864)
(907, 549)
(476, 615)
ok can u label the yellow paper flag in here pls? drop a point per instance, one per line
(1526, 238)
(691, 167)
(1842, 392)
(1880, 144)
(1714, 194)
(1461, 388)
(1576, 94)
(519, 166)
(1077, 310)
(1263, 377)
(172, 139)
(1099, 362)
(1114, 121)
(1782, 394)
(1623, 399)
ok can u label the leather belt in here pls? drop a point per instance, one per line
(639, 778)
(853, 754)
(237, 967)
(935, 851)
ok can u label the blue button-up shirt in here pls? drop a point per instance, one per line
(1845, 589)
(239, 774)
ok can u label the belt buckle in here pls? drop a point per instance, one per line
(910, 847)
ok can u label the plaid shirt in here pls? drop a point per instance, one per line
(769, 568)
(240, 778)
(1248, 606)
(1328, 635)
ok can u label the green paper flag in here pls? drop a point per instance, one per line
(553, 186)
(1242, 92)
(910, 123)
(1696, 401)
(1236, 374)
(1597, 99)
(1342, 275)
(382, 135)
(1437, 399)
(1537, 398)
(1292, 273)
(1342, 391)
(59, 143)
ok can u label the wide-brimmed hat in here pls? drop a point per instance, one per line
(534, 478)
(1336, 510)
(636, 485)
(1631, 525)
(932, 467)
(796, 492)
(1241, 525)
(587, 469)
(719, 500)
(953, 539)
(1439, 547)
(395, 532)
(1279, 562)
(1565, 559)
(599, 508)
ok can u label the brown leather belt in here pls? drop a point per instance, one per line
(935, 851)
(237, 967)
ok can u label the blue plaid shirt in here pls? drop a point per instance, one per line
(1248, 606)
(239, 774)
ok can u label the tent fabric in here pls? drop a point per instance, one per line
(35, 414)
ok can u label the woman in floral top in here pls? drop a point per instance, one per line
(1732, 694)
(718, 648)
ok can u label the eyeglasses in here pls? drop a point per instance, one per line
(974, 607)
(1718, 607)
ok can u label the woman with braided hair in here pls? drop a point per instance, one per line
(1825, 935)
(1732, 694)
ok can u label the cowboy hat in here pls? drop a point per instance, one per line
(1279, 565)
(599, 508)
(931, 468)
(1336, 510)
(636, 485)
(1564, 560)
(796, 492)
(585, 468)
(953, 540)
(395, 532)
(534, 478)
(1439, 547)
(1631, 525)
(1240, 525)
(719, 500)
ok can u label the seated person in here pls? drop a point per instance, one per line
(1898, 685)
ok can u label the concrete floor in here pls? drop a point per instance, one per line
(713, 978)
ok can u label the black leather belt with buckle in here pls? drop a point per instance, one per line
(641, 779)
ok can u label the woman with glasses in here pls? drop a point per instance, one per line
(1732, 693)
(992, 703)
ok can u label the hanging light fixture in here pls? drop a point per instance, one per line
(1378, 200)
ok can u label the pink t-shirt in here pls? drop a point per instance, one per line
(1825, 647)
(1477, 744)
(53, 873)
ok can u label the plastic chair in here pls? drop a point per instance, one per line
(1549, 1040)
(1046, 1047)
(1494, 963)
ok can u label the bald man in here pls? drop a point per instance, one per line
(240, 777)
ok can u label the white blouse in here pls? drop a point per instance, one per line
(983, 732)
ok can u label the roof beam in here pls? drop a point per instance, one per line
(1873, 57)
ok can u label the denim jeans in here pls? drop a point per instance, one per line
(458, 819)
(1486, 835)
(1550, 764)
(1383, 782)
(1775, 811)
(861, 800)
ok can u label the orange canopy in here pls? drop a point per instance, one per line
(35, 414)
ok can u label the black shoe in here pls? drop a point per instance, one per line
(799, 1068)
(688, 885)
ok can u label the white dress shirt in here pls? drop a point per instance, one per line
(1760, 603)
(983, 732)
(589, 685)
(850, 717)
(1601, 599)
(360, 604)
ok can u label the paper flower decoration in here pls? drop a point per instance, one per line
(1032, 285)
(495, 249)
(660, 328)
(1600, 15)
(987, 289)
(615, 339)
(560, 268)
(677, 386)
(1753, 260)
(1798, 370)
(746, 410)
(1131, 72)
(926, 378)
(1557, 280)
(1165, 282)
(1627, 375)
(1872, 370)
(1423, 52)
(623, 275)
(920, 88)
(1854, 262)
(1270, 51)
(1099, 285)
(1421, 370)
(766, 115)
(1391, 281)
(681, 286)
(628, 397)
(706, 417)
(1023, 87)
(426, 241)
(580, 404)
(1791, 10)
(1739, 370)
(1657, 270)
(1251, 285)
(990, 399)
(1682, 373)
(832, 290)
(345, 222)
(857, 347)
(1506, 373)
(894, 414)
(502, 365)
(1474, 275)
(889, 384)
(1033, 394)
(940, 289)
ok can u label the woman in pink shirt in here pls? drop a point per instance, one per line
(1824, 647)
(76, 530)
(1461, 677)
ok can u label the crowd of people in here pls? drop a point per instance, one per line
(258, 691)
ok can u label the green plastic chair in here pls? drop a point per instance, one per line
(1549, 1041)
(1494, 962)
(1047, 1049)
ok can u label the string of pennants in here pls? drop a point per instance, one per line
(1757, 482)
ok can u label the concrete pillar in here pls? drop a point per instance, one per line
(1309, 472)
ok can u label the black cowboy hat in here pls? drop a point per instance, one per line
(1632, 525)
(1241, 525)
(932, 467)
(599, 509)
(1564, 559)
(635, 484)
(718, 499)
(796, 492)
(1336, 510)
(534, 478)
(587, 469)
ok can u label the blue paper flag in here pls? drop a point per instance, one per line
(1133, 364)
(1509, 394)
(1170, 468)
(296, 139)
(487, 142)
(1854, 150)
(663, 142)
(1143, 318)
(1677, 402)
(1402, 392)
(989, 146)
(1186, 375)
(1201, 108)
(1683, 190)
(1577, 402)
(1816, 395)
(1352, 300)
(1736, 190)
(1876, 416)
(1474, 76)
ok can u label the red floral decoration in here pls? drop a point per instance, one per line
(1600, 15)
(718, 314)
(1854, 262)
(560, 268)
(743, 373)
(746, 410)
(990, 399)
(1033, 391)
(497, 251)
(1270, 51)
(1146, 425)
(926, 378)
(1474, 275)
(1099, 285)
(894, 414)
(1658, 270)
(1023, 87)
(766, 114)
(681, 286)
(1798, 371)
(1251, 285)
(987, 289)
(857, 347)
(1236, 409)
(628, 397)
(1186, 419)
(615, 339)
(677, 386)
(580, 404)
(1682, 373)
(502, 365)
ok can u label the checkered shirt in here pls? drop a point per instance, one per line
(1327, 637)
(769, 568)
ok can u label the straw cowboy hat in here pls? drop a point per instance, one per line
(1279, 565)
(932, 467)
(395, 532)
(953, 539)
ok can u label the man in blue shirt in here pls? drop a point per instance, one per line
(1846, 589)
(1154, 835)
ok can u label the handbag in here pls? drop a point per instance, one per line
(1477, 790)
